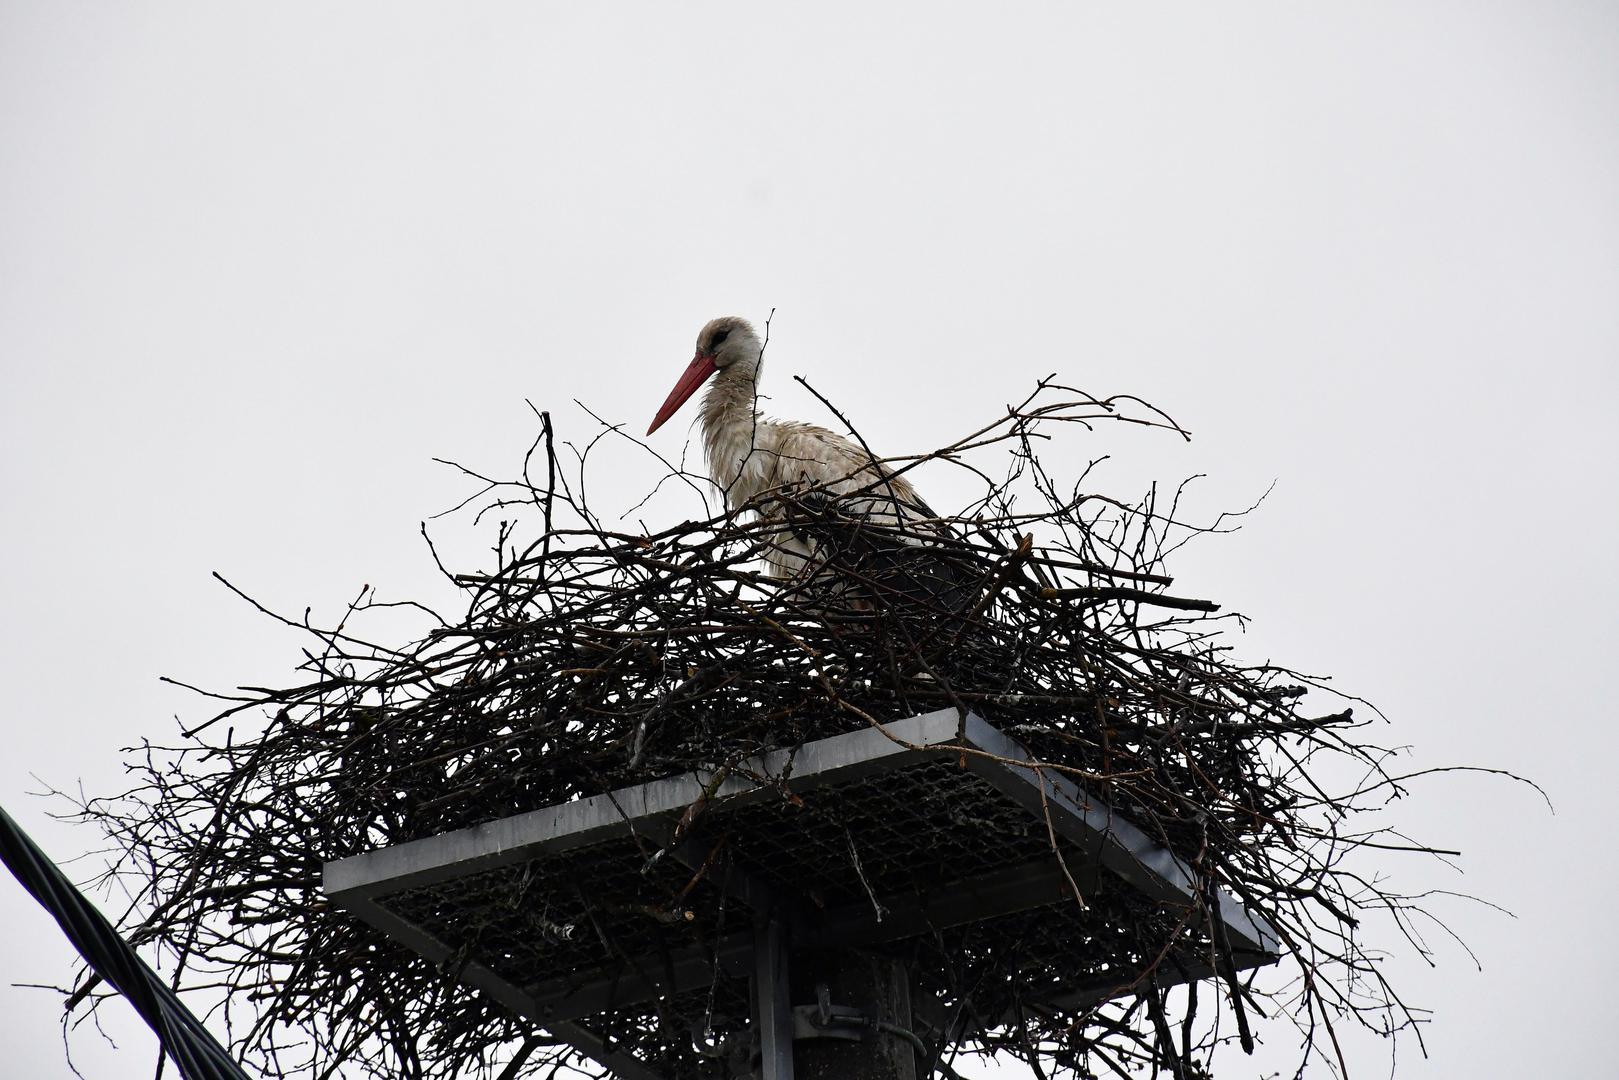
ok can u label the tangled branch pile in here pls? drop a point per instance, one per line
(590, 657)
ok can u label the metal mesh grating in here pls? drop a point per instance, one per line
(902, 844)
(912, 829)
(1057, 949)
(560, 914)
(917, 830)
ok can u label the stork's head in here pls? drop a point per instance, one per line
(727, 340)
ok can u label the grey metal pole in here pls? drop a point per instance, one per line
(772, 1005)
(871, 1046)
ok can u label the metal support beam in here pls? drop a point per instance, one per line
(593, 1046)
(772, 1005)
(555, 829)
(378, 885)
(1117, 844)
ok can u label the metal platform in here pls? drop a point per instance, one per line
(583, 916)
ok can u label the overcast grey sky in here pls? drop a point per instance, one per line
(260, 262)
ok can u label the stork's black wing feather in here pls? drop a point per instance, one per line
(915, 564)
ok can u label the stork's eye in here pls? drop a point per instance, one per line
(719, 339)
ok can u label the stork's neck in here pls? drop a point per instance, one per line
(730, 426)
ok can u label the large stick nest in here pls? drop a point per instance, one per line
(592, 655)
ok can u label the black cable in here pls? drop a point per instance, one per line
(196, 1052)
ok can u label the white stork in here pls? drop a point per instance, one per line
(749, 454)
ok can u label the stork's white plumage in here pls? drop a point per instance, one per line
(749, 454)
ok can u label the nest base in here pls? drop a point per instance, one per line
(618, 914)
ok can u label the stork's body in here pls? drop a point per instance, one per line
(750, 455)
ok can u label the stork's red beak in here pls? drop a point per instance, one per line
(701, 368)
